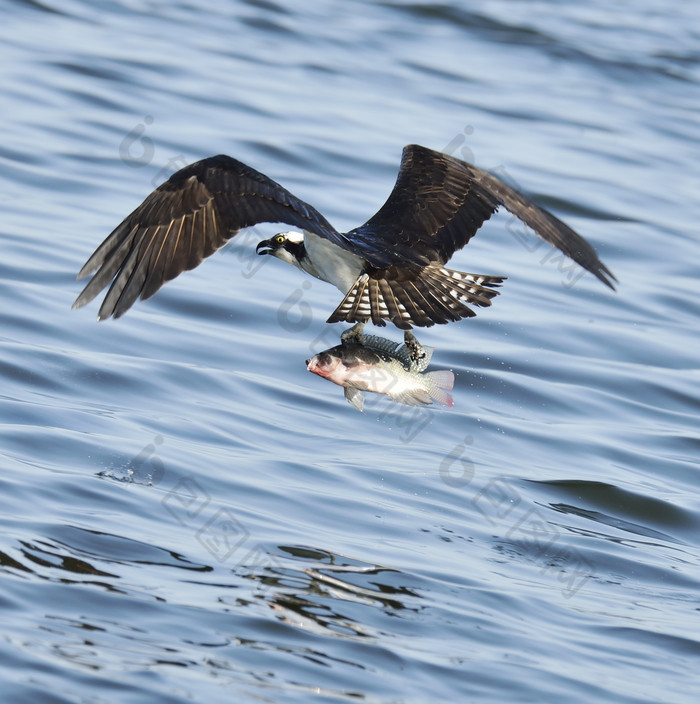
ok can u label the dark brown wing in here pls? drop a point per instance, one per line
(438, 204)
(194, 213)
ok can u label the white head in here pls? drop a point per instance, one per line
(287, 246)
(292, 236)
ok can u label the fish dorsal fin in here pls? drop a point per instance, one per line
(399, 351)
(355, 398)
(379, 343)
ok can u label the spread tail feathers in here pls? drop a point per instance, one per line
(434, 295)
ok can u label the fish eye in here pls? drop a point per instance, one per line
(280, 239)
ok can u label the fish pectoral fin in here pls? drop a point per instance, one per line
(355, 398)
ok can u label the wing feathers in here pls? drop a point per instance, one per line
(545, 225)
(117, 288)
(186, 219)
(437, 205)
(107, 260)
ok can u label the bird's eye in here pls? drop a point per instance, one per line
(280, 239)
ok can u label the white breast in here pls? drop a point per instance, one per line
(331, 263)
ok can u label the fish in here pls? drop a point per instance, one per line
(372, 363)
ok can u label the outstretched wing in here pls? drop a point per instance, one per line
(187, 218)
(438, 204)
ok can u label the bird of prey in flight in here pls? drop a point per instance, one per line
(392, 268)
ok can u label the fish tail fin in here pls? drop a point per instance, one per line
(439, 383)
(433, 294)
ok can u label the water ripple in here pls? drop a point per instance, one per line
(188, 514)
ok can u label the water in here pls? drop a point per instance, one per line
(189, 515)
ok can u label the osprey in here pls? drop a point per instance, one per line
(392, 268)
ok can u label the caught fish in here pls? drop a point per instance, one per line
(376, 364)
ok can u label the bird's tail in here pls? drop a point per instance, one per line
(432, 295)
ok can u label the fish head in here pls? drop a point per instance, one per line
(326, 364)
(348, 365)
(336, 364)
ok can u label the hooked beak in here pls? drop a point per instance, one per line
(265, 247)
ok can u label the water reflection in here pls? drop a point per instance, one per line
(327, 589)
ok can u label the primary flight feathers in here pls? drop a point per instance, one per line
(396, 259)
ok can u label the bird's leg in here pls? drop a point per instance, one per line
(415, 351)
(353, 334)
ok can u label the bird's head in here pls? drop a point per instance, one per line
(287, 246)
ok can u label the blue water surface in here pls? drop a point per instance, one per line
(188, 515)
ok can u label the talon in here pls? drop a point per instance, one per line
(414, 348)
(353, 334)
